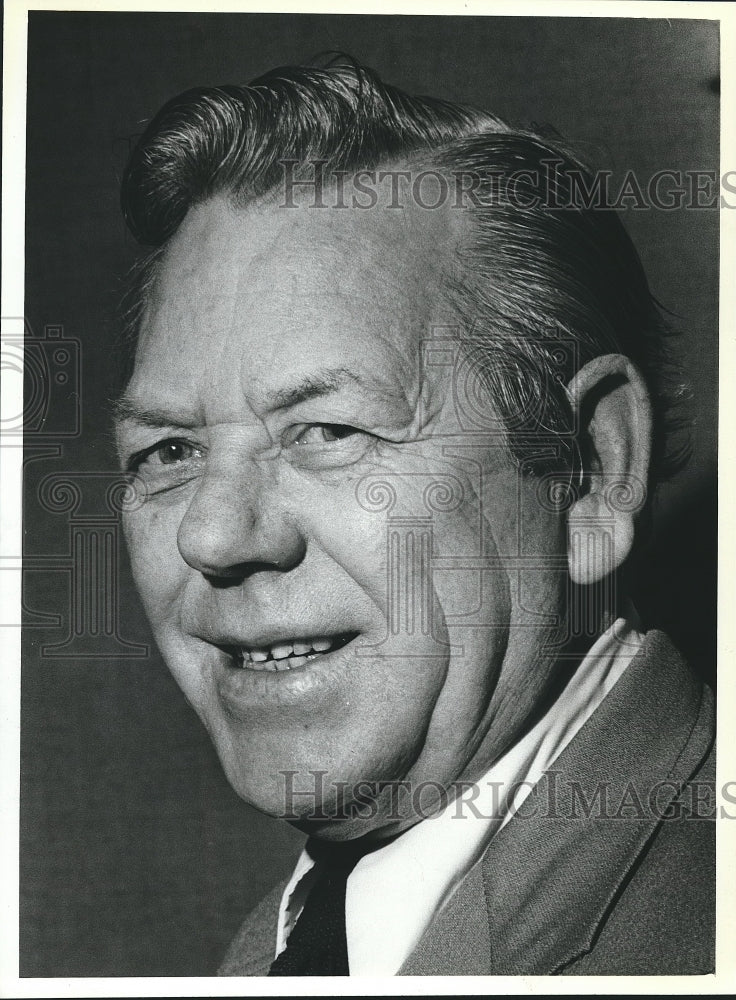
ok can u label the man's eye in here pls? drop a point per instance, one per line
(316, 434)
(171, 452)
(326, 446)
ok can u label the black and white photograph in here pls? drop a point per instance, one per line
(362, 400)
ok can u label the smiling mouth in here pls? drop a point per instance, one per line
(288, 655)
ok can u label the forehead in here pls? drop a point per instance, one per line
(271, 289)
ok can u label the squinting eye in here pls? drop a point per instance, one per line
(317, 434)
(320, 447)
(169, 453)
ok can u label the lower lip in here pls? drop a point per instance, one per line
(241, 687)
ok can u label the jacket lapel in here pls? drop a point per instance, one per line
(457, 942)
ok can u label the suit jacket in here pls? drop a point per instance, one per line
(609, 868)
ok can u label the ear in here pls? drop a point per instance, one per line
(613, 415)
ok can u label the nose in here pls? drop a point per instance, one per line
(235, 527)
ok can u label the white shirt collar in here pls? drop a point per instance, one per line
(393, 893)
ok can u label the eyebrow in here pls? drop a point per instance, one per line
(127, 408)
(314, 386)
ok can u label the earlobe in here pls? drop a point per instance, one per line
(612, 409)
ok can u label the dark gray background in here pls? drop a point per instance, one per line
(137, 858)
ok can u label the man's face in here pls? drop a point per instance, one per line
(329, 562)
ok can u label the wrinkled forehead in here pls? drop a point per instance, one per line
(380, 254)
(249, 298)
(269, 280)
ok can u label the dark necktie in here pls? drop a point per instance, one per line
(317, 945)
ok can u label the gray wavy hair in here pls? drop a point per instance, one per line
(545, 283)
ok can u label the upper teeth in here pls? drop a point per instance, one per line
(300, 647)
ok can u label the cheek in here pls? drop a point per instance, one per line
(469, 542)
(542, 581)
(475, 594)
(351, 536)
(158, 569)
(161, 576)
(417, 537)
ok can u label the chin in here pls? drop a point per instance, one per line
(333, 797)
